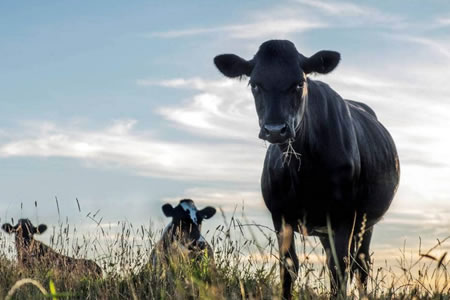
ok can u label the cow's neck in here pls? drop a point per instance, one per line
(23, 245)
(27, 251)
(322, 121)
(173, 233)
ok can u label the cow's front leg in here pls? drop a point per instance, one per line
(336, 246)
(288, 257)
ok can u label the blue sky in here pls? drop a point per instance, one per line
(118, 104)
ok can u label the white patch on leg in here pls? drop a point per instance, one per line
(291, 268)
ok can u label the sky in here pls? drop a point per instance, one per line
(118, 104)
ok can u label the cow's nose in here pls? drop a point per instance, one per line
(276, 133)
(275, 129)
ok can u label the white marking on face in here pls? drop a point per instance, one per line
(190, 208)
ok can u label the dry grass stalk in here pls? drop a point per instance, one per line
(289, 152)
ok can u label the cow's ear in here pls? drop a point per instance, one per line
(322, 62)
(8, 228)
(167, 210)
(233, 66)
(40, 229)
(207, 212)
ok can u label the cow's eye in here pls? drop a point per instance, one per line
(298, 88)
(255, 87)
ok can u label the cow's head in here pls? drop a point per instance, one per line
(24, 230)
(187, 221)
(278, 81)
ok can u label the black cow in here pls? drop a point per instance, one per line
(332, 168)
(182, 236)
(34, 254)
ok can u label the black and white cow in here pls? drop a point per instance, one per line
(331, 163)
(32, 253)
(183, 234)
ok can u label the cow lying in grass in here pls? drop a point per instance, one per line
(35, 254)
(181, 240)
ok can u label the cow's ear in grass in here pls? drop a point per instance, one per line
(322, 62)
(207, 212)
(167, 210)
(8, 228)
(233, 66)
(41, 229)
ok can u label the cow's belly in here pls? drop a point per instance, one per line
(307, 200)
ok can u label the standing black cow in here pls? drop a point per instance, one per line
(344, 171)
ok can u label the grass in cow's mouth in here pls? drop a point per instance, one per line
(246, 258)
(289, 153)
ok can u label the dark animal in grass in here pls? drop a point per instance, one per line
(35, 254)
(331, 163)
(181, 240)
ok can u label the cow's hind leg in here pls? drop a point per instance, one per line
(361, 263)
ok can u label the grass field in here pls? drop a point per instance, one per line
(246, 268)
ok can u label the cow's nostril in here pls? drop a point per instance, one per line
(275, 130)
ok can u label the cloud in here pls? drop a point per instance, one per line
(443, 21)
(341, 8)
(352, 14)
(294, 17)
(438, 47)
(256, 30)
(221, 109)
(139, 152)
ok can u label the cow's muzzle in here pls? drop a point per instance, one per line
(276, 133)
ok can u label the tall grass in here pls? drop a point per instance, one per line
(246, 267)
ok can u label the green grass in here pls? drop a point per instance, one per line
(246, 267)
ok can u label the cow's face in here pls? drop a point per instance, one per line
(278, 82)
(24, 230)
(187, 221)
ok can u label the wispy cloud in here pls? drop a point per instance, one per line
(354, 14)
(138, 152)
(221, 109)
(338, 8)
(294, 17)
(436, 45)
(254, 30)
(443, 21)
(280, 21)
